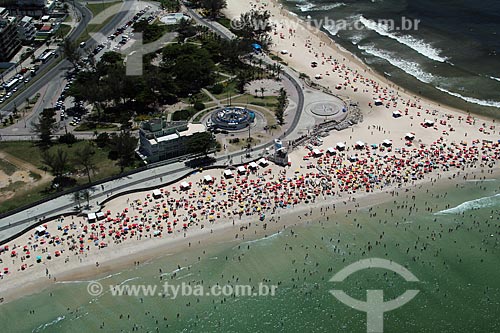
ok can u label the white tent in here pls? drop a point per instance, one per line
(409, 136)
(284, 51)
(241, 169)
(340, 145)
(156, 194)
(99, 215)
(184, 186)
(378, 102)
(91, 217)
(353, 158)
(263, 162)
(428, 122)
(330, 151)
(317, 152)
(360, 144)
(208, 179)
(40, 229)
(228, 173)
(253, 165)
(387, 142)
(397, 114)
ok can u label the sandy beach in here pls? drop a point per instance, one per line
(402, 143)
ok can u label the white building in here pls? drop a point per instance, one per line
(9, 41)
(26, 29)
(161, 140)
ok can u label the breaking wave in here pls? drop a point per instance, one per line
(408, 67)
(417, 45)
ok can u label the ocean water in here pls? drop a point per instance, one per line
(452, 55)
(448, 237)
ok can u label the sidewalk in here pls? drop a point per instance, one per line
(16, 223)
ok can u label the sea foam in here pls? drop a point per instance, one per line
(408, 67)
(489, 103)
(44, 326)
(472, 204)
(309, 7)
(417, 45)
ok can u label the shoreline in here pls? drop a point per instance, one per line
(119, 255)
(112, 262)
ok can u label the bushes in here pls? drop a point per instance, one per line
(102, 140)
(198, 106)
(217, 89)
(183, 114)
(68, 138)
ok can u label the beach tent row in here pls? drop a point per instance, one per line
(92, 217)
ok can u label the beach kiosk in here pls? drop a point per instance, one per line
(156, 194)
(228, 173)
(185, 186)
(331, 151)
(316, 152)
(40, 230)
(253, 166)
(100, 215)
(409, 136)
(387, 143)
(241, 170)
(91, 217)
(263, 162)
(340, 146)
(208, 179)
(359, 145)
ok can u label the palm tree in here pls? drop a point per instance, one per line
(76, 198)
(279, 70)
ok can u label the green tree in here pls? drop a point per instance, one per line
(70, 50)
(123, 146)
(213, 7)
(185, 29)
(280, 109)
(201, 143)
(256, 26)
(46, 126)
(58, 162)
(85, 157)
(77, 197)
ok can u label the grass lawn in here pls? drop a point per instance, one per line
(96, 8)
(92, 29)
(92, 126)
(229, 90)
(30, 153)
(23, 197)
(7, 167)
(269, 102)
(200, 97)
(64, 29)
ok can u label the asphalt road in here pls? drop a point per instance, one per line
(61, 68)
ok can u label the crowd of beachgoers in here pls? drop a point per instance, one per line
(403, 140)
